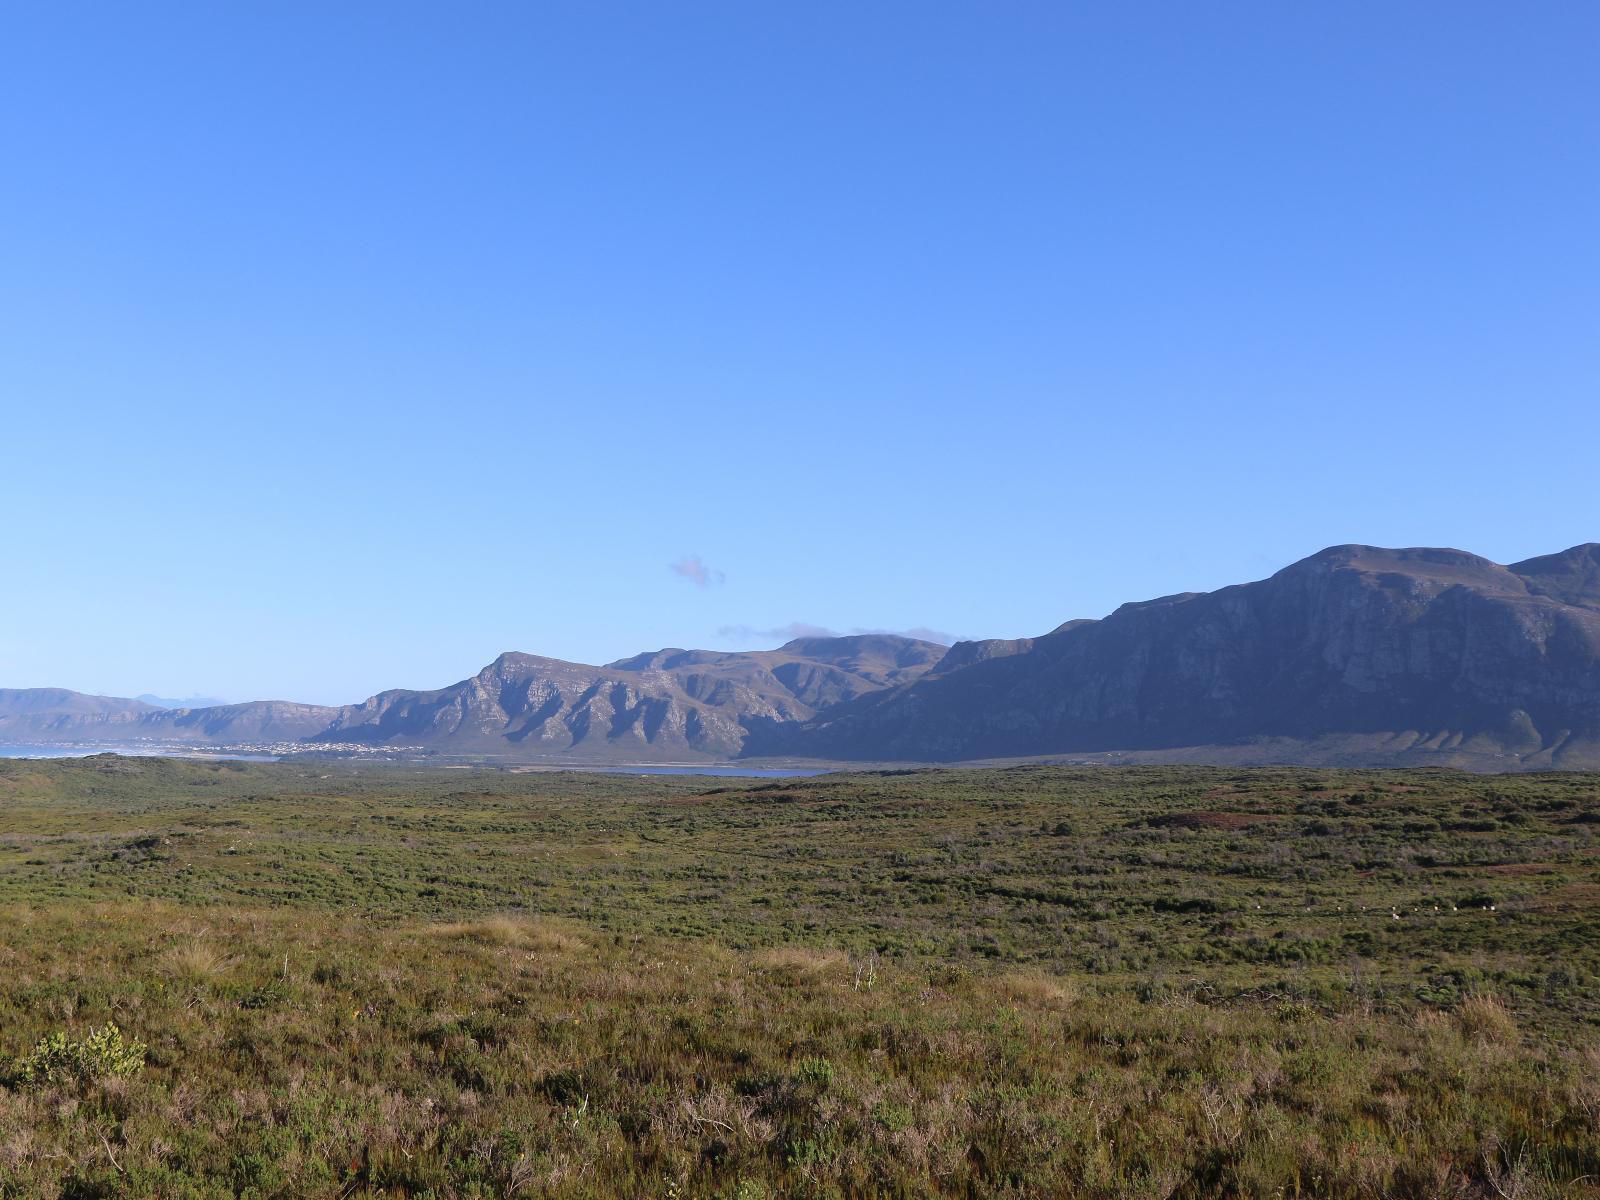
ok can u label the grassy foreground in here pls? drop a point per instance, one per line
(1130, 982)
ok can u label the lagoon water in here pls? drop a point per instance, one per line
(24, 751)
(731, 772)
(60, 751)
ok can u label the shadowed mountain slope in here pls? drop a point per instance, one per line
(1355, 652)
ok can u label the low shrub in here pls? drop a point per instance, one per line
(102, 1053)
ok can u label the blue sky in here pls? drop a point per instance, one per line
(345, 346)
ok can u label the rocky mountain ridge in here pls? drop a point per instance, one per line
(1356, 654)
(671, 704)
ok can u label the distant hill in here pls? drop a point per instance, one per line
(190, 702)
(56, 715)
(254, 721)
(1356, 654)
(685, 704)
(50, 714)
(55, 702)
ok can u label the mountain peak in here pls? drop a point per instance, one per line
(1571, 576)
(1406, 559)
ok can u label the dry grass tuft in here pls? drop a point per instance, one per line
(196, 961)
(1034, 989)
(539, 935)
(803, 963)
(1485, 1018)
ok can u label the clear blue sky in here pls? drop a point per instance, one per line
(343, 346)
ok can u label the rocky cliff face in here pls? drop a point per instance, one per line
(1436, 651)
(668, 704)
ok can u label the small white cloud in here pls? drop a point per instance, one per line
(694, 569)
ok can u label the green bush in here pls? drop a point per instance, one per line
(103, 1054)
(816, 1071)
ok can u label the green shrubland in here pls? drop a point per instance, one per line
(220, 980)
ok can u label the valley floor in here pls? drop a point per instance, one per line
(1137, 982)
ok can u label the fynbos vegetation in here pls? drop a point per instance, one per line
(1141, 982)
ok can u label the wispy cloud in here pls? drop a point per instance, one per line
(802, 629)
(783, 633)
(693, 568)
(923, 633)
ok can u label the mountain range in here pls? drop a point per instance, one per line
(690, 705)
(1355, 655)
(672, 703)
(187, 702)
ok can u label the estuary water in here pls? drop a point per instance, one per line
(730, 772)
(67, 751)
(59, 751)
